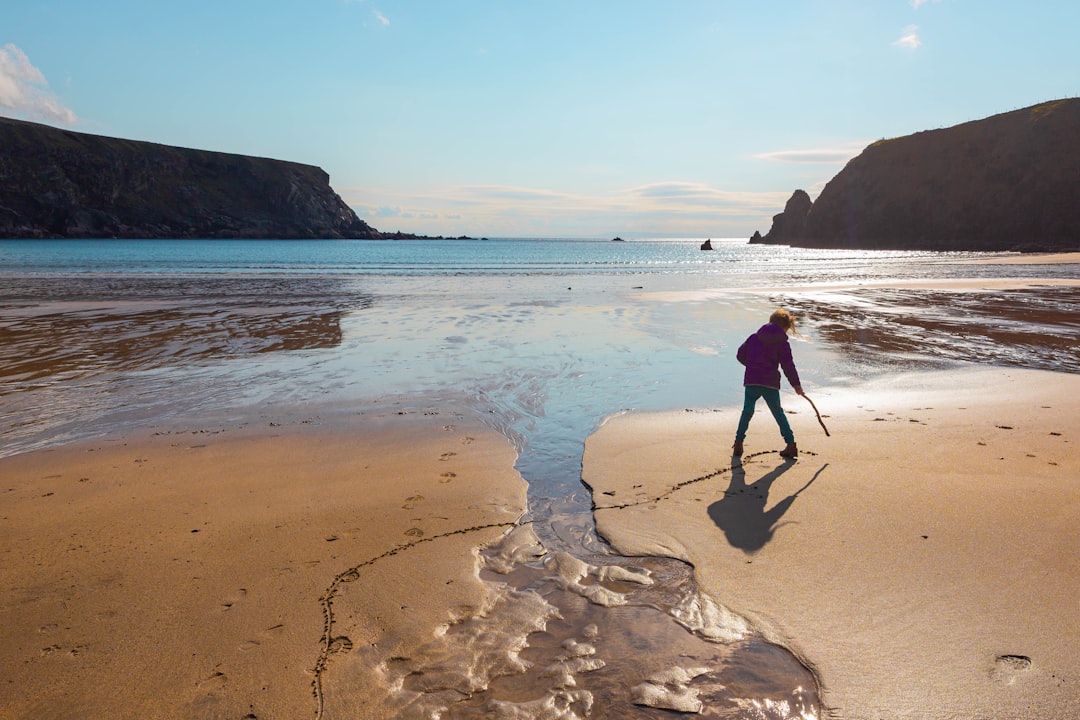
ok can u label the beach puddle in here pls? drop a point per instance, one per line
(84, 353)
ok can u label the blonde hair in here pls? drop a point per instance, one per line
(784, 319)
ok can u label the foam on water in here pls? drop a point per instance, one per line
(670, 690)
(564, 637)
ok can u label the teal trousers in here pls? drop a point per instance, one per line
(772, 399)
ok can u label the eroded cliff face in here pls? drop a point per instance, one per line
(1008, 182)
(58, 183)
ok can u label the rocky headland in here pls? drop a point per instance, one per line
(59, 183)
(1007, 182)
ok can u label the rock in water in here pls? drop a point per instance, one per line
(790, 222)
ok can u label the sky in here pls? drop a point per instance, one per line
(538, 118)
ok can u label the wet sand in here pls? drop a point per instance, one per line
(921, 560)
(196, 572)
(1032, 259)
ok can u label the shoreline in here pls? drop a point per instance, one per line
(918, 560)
(174, 573)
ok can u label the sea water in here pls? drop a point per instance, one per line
(542, 338)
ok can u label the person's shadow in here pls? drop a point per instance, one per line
(741, 513)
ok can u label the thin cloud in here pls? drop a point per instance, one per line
(688, 194)
(919, 3)
(25, 93)
(909, 40)
(818, 156)
(375, 12)
(389, 212)
(487, 193)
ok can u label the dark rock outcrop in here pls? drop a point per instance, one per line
(707, 245)
(58, 183)
(790, 222)
(1008, 182)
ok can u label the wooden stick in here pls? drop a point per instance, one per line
(820, 421)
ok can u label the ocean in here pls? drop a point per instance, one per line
(541, 338)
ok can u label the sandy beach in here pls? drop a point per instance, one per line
(922, 560)
(197, 572)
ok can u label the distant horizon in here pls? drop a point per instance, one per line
(607, 238)
(555, 119)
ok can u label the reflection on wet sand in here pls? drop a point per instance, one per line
(77, 328)
(1033, 327)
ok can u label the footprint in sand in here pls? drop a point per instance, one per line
(446, 456)
(467, 440)
(411, 502)
(414, 532)
(240, 595)
(216, 679)
(447, 477)
(340, 644)
(1009, 668)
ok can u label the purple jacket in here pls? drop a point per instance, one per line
(763, 354)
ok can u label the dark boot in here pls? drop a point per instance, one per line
(736, 449)
(791, 452)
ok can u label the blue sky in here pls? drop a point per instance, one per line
(681, 118)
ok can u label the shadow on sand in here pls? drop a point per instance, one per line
(741, 514)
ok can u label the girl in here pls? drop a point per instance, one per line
(763, 354)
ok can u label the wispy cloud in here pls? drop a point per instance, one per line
(375, 12)
(687, 194)
(25, 93)
(919, 3)
(909, 38)
(818, 156)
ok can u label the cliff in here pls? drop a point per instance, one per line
(58, 183)
(1008, 182)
